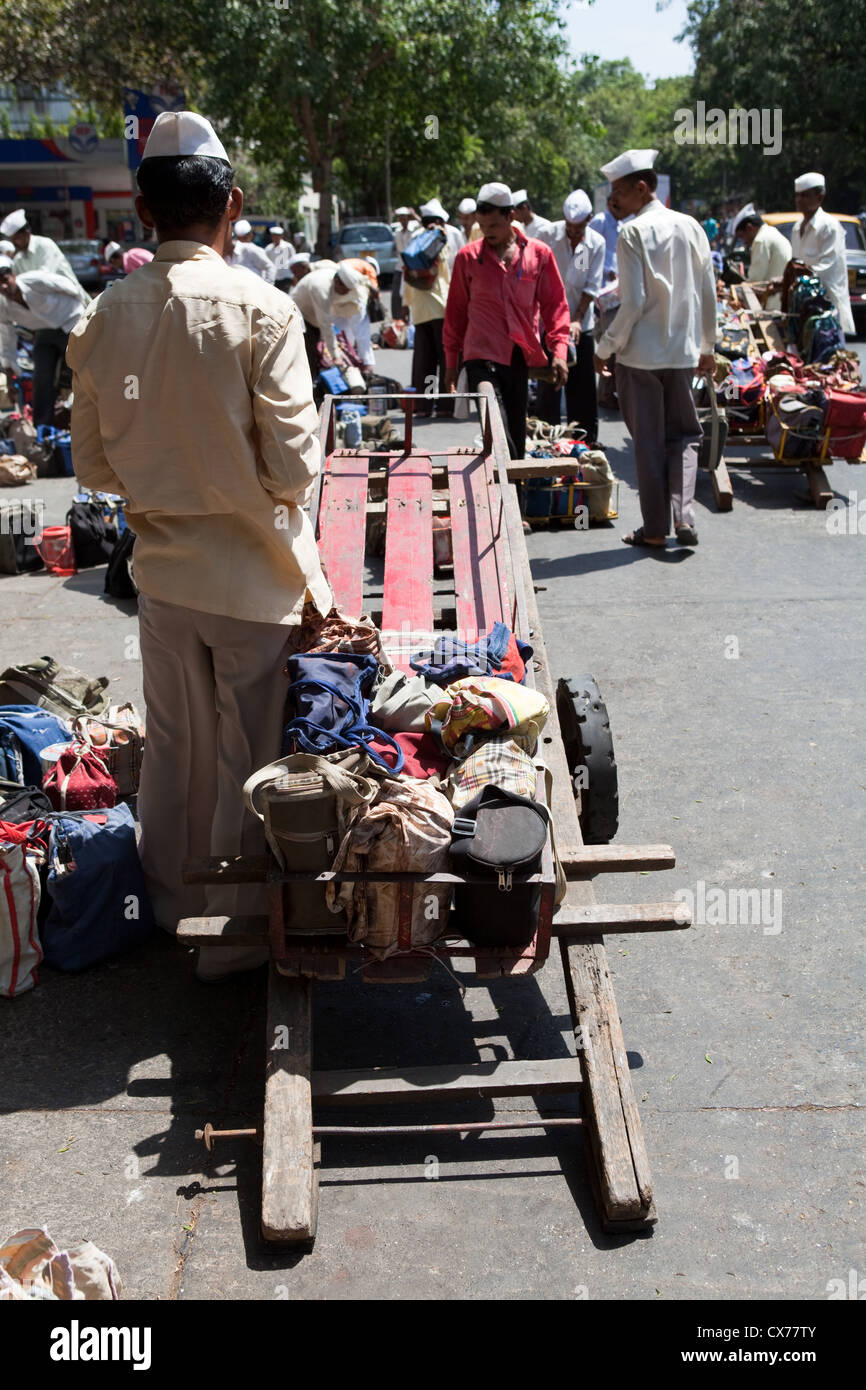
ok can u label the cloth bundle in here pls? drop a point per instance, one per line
(482, 707)
(500, 654)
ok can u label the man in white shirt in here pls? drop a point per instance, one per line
(663, 332)
(410, 224)
(522, 212)
(51, 305)
(34, 252)
(579, 253)
(818, 240)
(770, 250)
(326, 295)
(280, 254)
(467, 212)
(245, 253)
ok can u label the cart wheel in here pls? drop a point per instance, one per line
(586, 735)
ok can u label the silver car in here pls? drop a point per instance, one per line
(85, 260)
(365, 239)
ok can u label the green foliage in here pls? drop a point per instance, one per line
(805, 60)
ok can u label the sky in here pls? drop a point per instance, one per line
(632, 29)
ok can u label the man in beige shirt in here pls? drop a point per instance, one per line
(193, 400)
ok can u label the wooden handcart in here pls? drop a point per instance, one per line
(765, 337)
(491, 581)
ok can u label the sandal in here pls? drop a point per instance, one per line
(687, 535)
(638, 538)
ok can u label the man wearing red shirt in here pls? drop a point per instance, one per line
(500, 285)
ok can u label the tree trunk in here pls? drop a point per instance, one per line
(322, 182)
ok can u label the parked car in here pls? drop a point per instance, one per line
(855, 256)
(85, 260)
(368, 239)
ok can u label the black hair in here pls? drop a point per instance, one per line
(649, 176)
(495, 207)
(181, 190)
(754, 218)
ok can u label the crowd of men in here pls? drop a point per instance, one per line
(220, 437)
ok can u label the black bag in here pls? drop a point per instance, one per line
(375, 307)
(20, 522)
(19, 804)
(93, 538)
(501, 837)
(119, 581)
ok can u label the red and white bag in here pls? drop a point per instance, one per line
(79, 781)
(20, 948)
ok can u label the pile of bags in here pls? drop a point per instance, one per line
(589, 482)
(73, 888)
(384, 772)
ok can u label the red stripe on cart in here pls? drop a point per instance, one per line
(343, 526)
(407, 606)
(479, 582)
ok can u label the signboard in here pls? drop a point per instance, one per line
(83, 138)
(140, 110)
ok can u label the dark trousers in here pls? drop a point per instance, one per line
(510, 383)
(428, 362)
(49, 350)
(581, 402)
(659, 410)
(397, 304)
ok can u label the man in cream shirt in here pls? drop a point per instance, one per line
(770, 250)
(664, 330)
(818, 240)
(193, 400)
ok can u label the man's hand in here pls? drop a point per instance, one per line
(707, 365)
(574, 329)
(560, 372)
(449, 385)
(600, 364)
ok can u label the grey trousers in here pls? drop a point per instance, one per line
(214, 690)
(659, 410)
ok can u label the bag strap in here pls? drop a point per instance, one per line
(350, 786)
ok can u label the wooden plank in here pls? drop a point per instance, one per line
(479, 581)
(224, 868)
(819, 486)
(407, 604)
(608, 1099)
(289, 1182)
(612, 859)
(223, 931)
(593, 919)
(723, 492)
(342, 527)
(462, 1081)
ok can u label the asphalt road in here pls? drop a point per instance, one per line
(734, 678)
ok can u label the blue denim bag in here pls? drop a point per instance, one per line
(33, 728)
(328, 706)
(99, 901)
(452, 659)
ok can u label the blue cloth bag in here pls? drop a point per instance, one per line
(34, 728)
(328, 706)
(99, 901)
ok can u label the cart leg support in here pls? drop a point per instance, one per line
(290, 1193)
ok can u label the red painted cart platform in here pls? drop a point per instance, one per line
(411, 490)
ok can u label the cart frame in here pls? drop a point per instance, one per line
(492, 581)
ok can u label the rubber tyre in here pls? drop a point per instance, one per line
(588, 743)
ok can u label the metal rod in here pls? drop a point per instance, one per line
(208, 1134)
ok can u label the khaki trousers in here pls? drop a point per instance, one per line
(214, 690)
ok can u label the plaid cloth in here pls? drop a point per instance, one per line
(498, 762)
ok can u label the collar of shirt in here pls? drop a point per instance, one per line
(185, 251)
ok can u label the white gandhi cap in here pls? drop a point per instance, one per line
(466, 205)
(801, 185)
(277, 231)
(242, 227)
(743, 214)
(111, 249)
(13, 223)
(5, 263)
(521, 196)
(632, 162)
(434, 209)
(499, 194)
(577, 207)
(183, 132)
